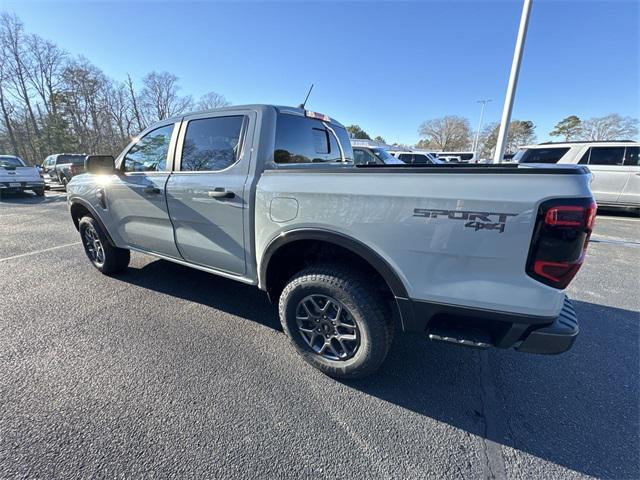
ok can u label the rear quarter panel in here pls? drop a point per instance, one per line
(438, 259)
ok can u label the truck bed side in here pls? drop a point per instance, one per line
(455, 238)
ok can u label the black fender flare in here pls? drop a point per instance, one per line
(94, 214)
(355, 246)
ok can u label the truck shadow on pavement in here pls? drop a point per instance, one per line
(229, 296)
(579, 410)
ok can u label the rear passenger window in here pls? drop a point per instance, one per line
(406, 157)
(543, 155)
(417, 158)
(211, 144)
(606, 156)
(305, 140)
(149, 154)
(631, 156)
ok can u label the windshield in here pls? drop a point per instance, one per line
(11, 162)
(386, 157)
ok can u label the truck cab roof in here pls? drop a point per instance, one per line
(260, 107)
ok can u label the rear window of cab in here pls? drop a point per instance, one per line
(305, 140)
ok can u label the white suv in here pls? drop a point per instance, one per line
(614, 165)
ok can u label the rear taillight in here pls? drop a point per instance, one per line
(560, 240)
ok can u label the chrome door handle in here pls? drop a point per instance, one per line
(219, 193)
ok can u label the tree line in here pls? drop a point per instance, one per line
(454, 133)
(52, 102)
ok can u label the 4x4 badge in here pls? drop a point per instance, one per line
(473, 219)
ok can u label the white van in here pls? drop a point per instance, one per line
(614, 165)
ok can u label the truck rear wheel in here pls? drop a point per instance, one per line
(104, 256)
(336, 321)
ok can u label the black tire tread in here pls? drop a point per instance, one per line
(365, 298)
(116, 259)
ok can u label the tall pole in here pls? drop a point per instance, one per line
(477, 139)
(513, 81)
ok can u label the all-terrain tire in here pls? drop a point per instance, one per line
(104, 256)
(364, 305)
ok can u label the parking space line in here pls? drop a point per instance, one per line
(618, 219)
(28, 254)
(625, 243)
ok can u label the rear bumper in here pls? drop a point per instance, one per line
(29, 185)
(557, 337)
(531, 334)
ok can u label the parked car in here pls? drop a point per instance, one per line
(475, 255)
(60, 168)
(614, 165)
(459, 157)
(413, 157)
(16, 176)
(374, 156)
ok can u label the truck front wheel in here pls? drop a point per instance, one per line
(336, 320)
(104, 256)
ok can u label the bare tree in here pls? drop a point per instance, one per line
(45, 74)
(160, 96)
(6, 108)
(521, 132)
(133, 100)
(609, 127)
(211, 101)
(447, 133)
(12, 42)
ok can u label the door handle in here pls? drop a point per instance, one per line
(219, 193)
(151, 190)
(638, 174)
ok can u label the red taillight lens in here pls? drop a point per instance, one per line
(591, 215)
(559, 274)
(560, 240)
(565, 216)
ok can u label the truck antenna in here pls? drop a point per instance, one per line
(306, 98)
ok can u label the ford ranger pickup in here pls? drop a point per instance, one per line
(473, 255)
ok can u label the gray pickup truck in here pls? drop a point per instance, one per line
(266, 195)
(60, 168)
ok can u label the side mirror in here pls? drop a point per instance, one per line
(100, 164)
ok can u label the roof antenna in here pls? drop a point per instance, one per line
(306, 98)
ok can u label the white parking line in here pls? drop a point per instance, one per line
(618, 219)
(39, 251)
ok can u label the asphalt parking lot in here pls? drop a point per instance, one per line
(166, 371)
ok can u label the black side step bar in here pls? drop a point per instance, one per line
(465, 337)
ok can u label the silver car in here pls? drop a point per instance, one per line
(614, 165)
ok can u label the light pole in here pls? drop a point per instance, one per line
(477, 139)
(513, 81)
